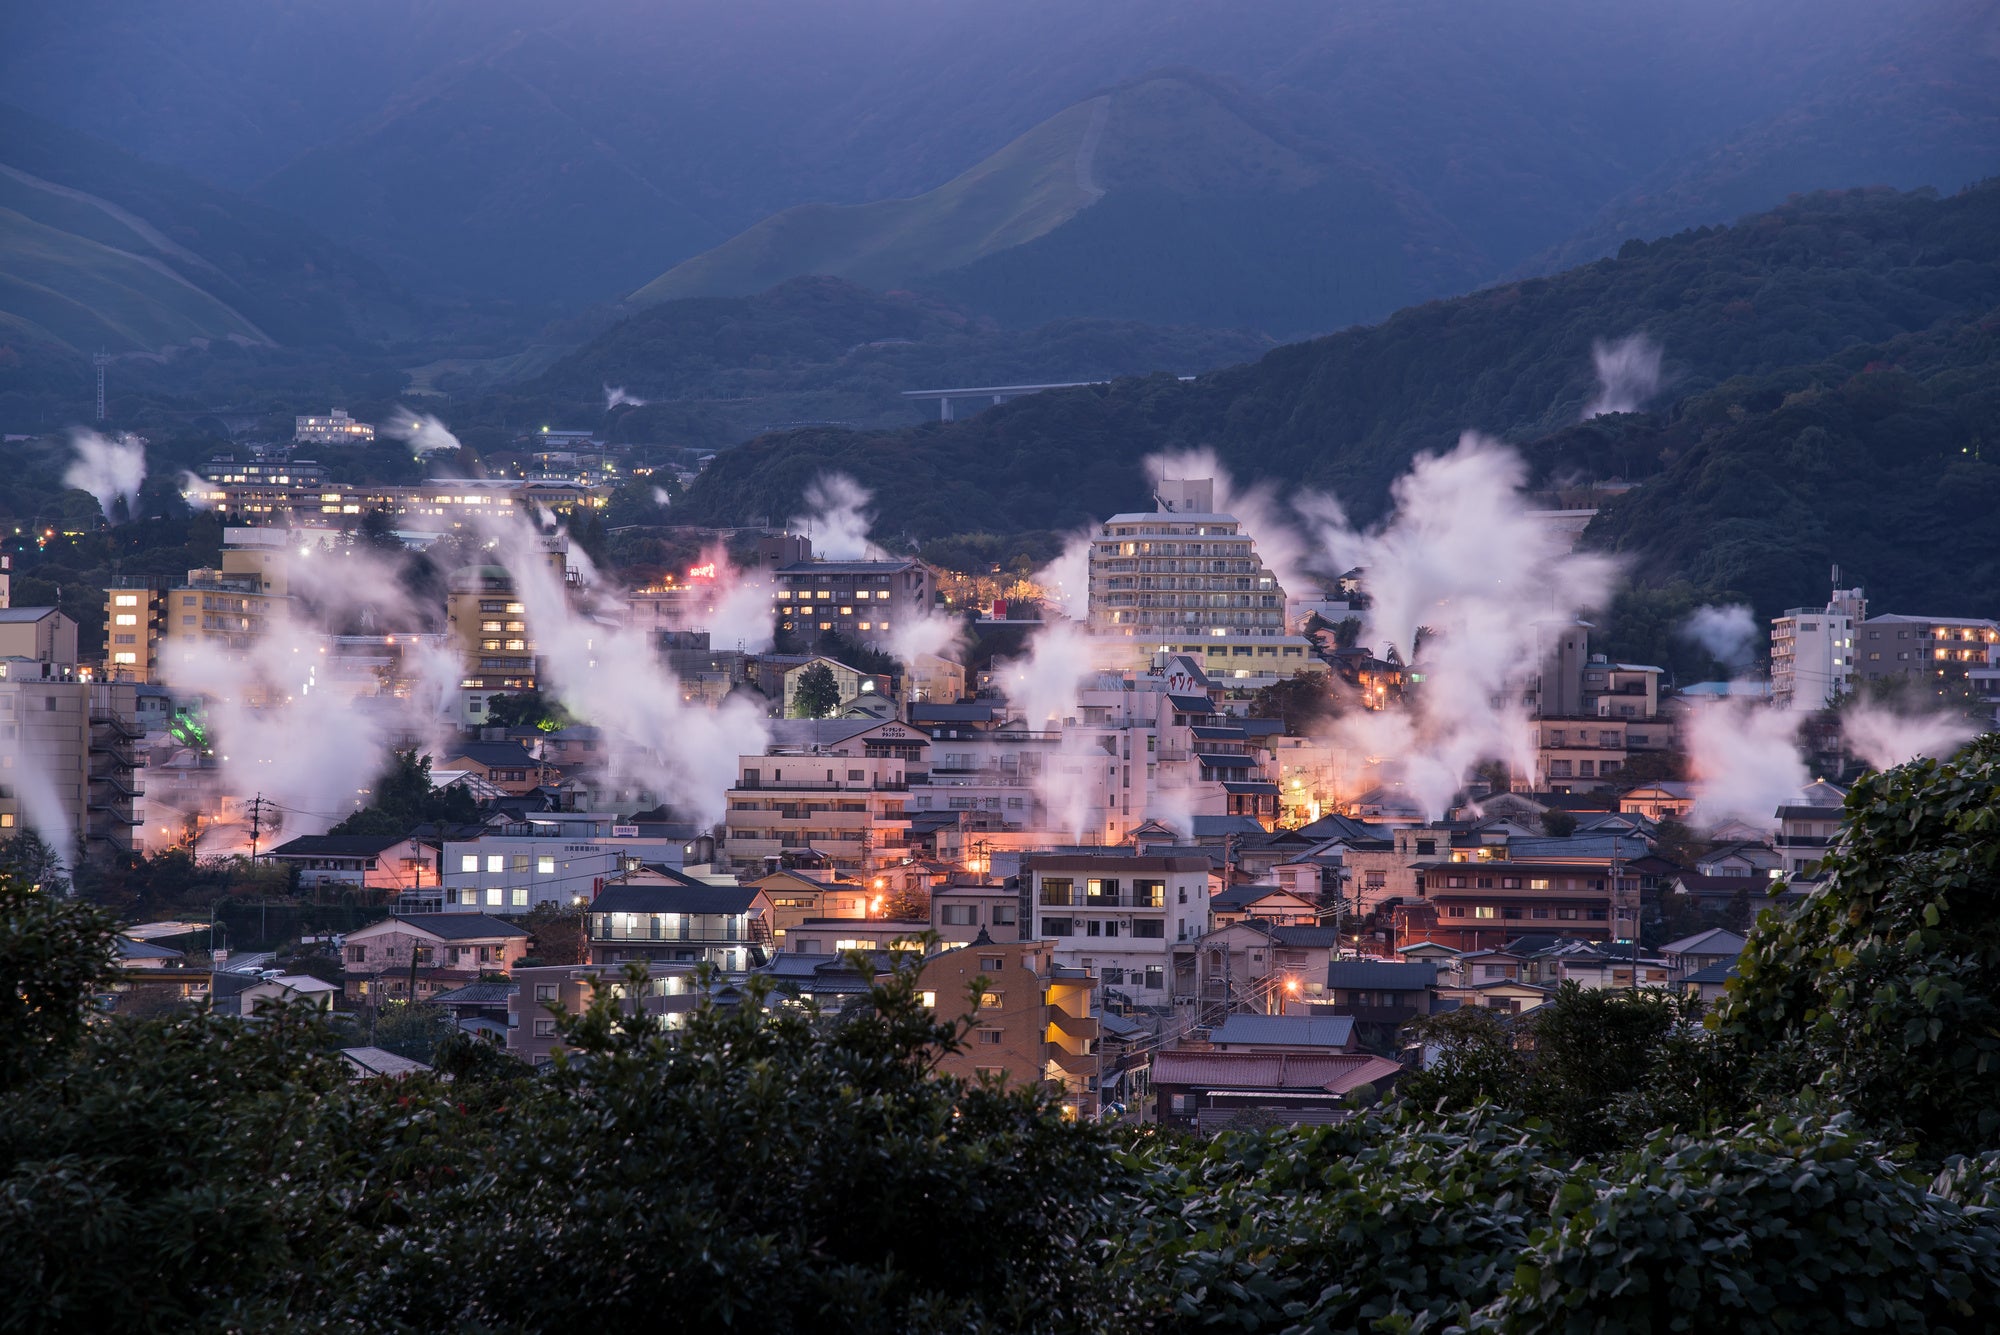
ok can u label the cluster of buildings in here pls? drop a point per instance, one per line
(1154, 902)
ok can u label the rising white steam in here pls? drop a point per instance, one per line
(1043, 684)
(1730, 634)
(1462, 565)
(194, 490)
(616, 397)
(1065, 581)
(661, 498)
(424, 433)
(837, 519)
(286, 724)
(679, 752)
(107, 469)
(1628, 374)
(42, 809)
(1885, 738)
(919, 632)
(1744, 759)
(732, 605)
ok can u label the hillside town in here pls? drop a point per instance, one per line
(1157, 818)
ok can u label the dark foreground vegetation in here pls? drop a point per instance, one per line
(1823, 1152)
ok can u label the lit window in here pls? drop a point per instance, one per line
(468, 862)
(493, 896)
(496, 862)
(125, 600)
(546, 864)
(521, 897)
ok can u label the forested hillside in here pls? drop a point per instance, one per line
(712, 370)
(1810, 294)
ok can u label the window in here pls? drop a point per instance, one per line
(1538, 883)
(520, 896)
(991, 963)
(357, 954)
(1114, 976)
(545, 1028)
(1058, 927)
(990, 1038)
(1156, 976)
(493, 896)
(989, 1001)
(545, 991)
(546, 864)
(1154, 928)
(468, 862)
(1003, 915)
(1483, 911)
(518, 862)
(1057, 891)
(959, 915)
(496, 862)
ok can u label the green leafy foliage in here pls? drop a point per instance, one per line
(405, 799)
(54, 953)
(817, 695)
(1884, 986)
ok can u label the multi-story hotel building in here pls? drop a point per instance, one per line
(1812, 651)
(336, 428)
(1184, 579)
(842, 802)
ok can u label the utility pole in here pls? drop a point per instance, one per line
(256, 823)
(100, 361)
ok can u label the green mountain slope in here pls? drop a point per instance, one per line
(101, 250)
(1814, 284)
(1163, 199)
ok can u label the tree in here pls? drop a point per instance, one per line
(1883, 988)
(557, 931)
(405, 799)
(527, 709)
(1302, 701)
(1558, 824)
(54, 954)
(817, 695)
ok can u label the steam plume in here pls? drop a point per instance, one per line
(1885, 738)
(107, 469)
(1065, 581)
(424, 433)
(680, 752)
(837, 519)
(1628, 374)
(1730, 634)
(1461, 563)
(616, 397)
(194, 490)
(1043, 685)
(1745, 761)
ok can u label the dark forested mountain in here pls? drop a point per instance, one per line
(570, 153)
(715, 370)
(1166, 199)
(1866, 314)
(100, 251)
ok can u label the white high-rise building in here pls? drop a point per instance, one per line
(1812, 651)
(1184, 579)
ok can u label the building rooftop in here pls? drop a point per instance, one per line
(1386, 975)
(1297, 1031)
(460, 926)
(1331, 1073)
(674, 898)
(335, 846)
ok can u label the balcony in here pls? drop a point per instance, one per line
(748, 785)
(1069, 1063)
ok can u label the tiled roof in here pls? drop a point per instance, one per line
(1384, 974)
(673, 899)
(335, 846)
(486, 992)
(1333, 1073)
(1302, 1031)
(1714, 941)
(460, 926)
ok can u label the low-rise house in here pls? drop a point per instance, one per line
(1509, 995)
(370, 1063)
(146, 955)
(1669, 799)
(837, 936)
(481, 1007)
(1381, 991)
(1739, 858)
(358, 861)
(414, 958)
(1596, 966)
(1268, 902)
(1708, 984)
(1302, 1034)
(1033, 1020)
(286, 989)
(961, 912)
(1723, 896)
(505, 765)
(1207, 1091)
(1443, 957)
(1253, 965)
(1691, 954)
(672, 922)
